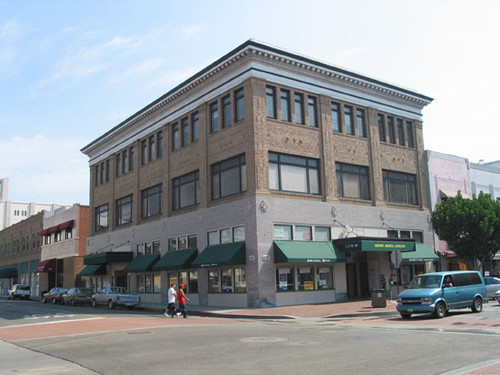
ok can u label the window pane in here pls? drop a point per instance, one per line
(226, 111)
(172, 244)
(230, 182)
(284, 279)
(381, 127)
(195, 127)
(360, 114)
(392, 130)
(303, 233)
(227, 281)
(349, 128)
(409, 132)
(213, 281)
(226, 236)
(214, 117)
(240, 281)
(322, 234)
(271, 102)
(285, 105)
(213, 238)
(282, 232)
(305, 278)
(185, 131)
(313, 181)
(401, 132)
(293, 178)
(193, 282)
(299, 108)
(240, 105)
(325, 278)
(238, 234)
(192, 241)
(311, 106)
(273, 177)
(175, 137)
(336, 117)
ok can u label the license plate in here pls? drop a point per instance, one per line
(409, 310)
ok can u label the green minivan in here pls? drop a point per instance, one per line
(437, 293)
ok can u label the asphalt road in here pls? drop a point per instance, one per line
(90, 341)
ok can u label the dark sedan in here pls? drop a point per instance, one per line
(77, 296)
(54, 295)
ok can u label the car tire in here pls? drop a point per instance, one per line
(54, 301)
(440, 310)
(111, 305)
(94, 303)
(44, 300)
(477, 305)
(405, 315)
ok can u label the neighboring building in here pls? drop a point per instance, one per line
(20, 253)
(240, 178)
(14, 212)
(64, 237)
(448, 174)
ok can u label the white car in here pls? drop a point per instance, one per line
(492, 285)
(19, 291)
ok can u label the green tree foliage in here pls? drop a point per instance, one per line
(470, 226)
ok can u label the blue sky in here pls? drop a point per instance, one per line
(71, 70)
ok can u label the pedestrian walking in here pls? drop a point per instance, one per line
(181, 300)
(172, 294)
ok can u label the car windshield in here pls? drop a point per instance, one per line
(430, 282)
(23, 287)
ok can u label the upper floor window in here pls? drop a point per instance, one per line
(348, 121)
(175, 137)
(131, 158)
(360, 116)
(152, 247)
(159, 143)
(144, 152)
(101, 217)
(151, 148)
(226, 235)
(271, 102)
(336, 117)
(312, 111)
(226, 111)
(409, 133)
(400, 187)
(123, 210)
(381, 127)
(285, 105)
(184, 131)
(214, 117)
(118, 165)
(299, 108)
(151, 201)
(186, 190)
(352, 181)
(239, 105)
(401, 132)
(195, 127)
(392, 130)
(293, 173)
(229, 177)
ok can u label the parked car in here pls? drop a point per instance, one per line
(19, 291)
(78, 296)
(497, 296)
(115, 295)
(437, 293)
(492, 285)
(54, 295)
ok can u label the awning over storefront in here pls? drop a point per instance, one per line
(355, 244)
(229, 254)
(8, 273)
(108, 257)
(142, 263)
(422, 253)
(65, 225)
(176, 260)
(93, 270)
(450, 193)
(306, 252)
(47, 265)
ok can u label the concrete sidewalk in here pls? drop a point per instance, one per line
(358, 308)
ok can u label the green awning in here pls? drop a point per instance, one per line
(229, 254)
(373, 244)
(108, 257)
(93, 270)
(422, 253)
(8, 273)
(142, 263)
(176, 260)
(306, 252)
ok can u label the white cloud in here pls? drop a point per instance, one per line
(136, 71)
(41, 167)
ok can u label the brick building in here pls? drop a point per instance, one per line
(267, 178)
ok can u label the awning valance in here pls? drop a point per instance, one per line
(306, 252)
(108, 257)
(8, 273)
(229, 254)
(65, 225)
(176, 260)
(355, 244)
(93, 270)
(47, 265)
(422, 253)
(142, 263)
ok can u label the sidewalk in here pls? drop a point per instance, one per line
(349, 309)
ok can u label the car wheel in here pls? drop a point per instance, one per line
(94, 303)
(440, 310)
(111, 305)
(405, 316)
(477, 305)
(44, 300)
(54, 301)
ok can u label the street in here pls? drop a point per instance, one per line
(100, 341)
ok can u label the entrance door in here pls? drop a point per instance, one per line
(352, 280)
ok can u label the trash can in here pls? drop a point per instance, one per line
(379, 298)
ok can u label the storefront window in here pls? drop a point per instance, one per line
(284, 279)
(156, 283)
(213, 281)
(182, 243)
(226, 236)
(240, 281)
(193, 282)
(140, 284)
(183, 278)
(238, 234)
(324, 278)
(213, 238)
(172, 244)
(227, 281)
(148, 283)
(305, 278)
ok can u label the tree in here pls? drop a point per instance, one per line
(470, 226)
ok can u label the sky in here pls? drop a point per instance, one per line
(72, 70)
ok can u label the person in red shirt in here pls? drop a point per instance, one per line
(181, 299)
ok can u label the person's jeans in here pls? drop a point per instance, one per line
(182, 310)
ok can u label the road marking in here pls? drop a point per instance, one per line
(53, 322)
